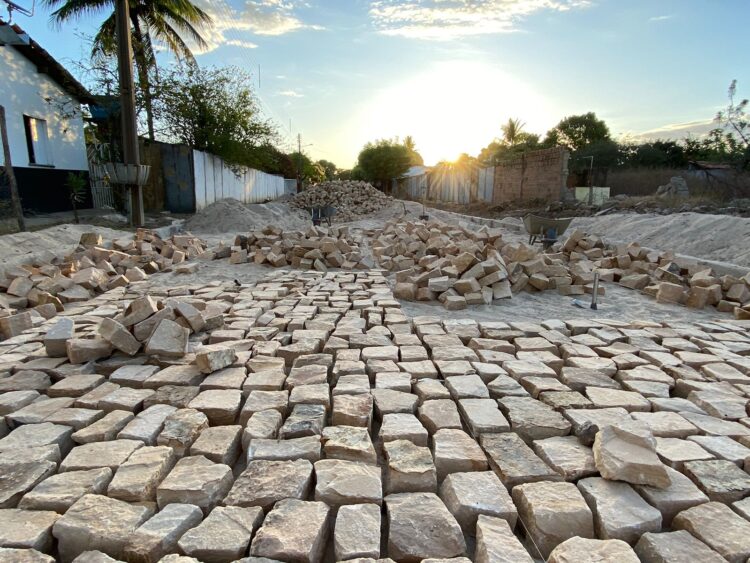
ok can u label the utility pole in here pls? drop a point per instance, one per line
(127, 105)
(14, 197)
(299, 163)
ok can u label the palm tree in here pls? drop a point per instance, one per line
(171, 22)
(512, 131)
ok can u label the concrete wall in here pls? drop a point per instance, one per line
(533, 175)
(22, 92)
(215, 180)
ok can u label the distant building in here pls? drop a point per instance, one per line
(42, 104)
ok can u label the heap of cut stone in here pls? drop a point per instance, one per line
(351, 198)
(659, 274)
(92, 268)
(317, 248)
(459, 266)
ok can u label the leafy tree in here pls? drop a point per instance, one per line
(311, 172)
(653, 154)
(415, 159)
(499, 150)
(214, 110)
(329, 169)
(383, 161)
(735, 123)
(577, 131)
(167, 21)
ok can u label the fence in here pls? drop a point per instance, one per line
(215, 180)
(533, 175)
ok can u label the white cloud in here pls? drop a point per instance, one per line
(660, 18)
(291, 94)
(255, 17)
(450, 19)
(697, 128)
(241, 43)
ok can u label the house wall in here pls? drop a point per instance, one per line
(533, 175)
(22, 92)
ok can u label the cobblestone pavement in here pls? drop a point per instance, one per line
(304, 417)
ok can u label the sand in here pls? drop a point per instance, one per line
(232, 216)
(719, 238)
(20, 248)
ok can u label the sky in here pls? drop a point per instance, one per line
(341, 73)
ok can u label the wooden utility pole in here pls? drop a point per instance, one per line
(299, 163)
(15, 199)
(127, 106)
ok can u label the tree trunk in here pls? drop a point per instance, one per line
(142, 65)
(14, 197)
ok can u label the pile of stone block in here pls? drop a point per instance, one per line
(318, 248)
(352, 199)
(659, 274)
(459, 266)
(45, 288)
(309, 419)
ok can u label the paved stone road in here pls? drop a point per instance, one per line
(306, 419)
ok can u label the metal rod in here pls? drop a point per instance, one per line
(595, 296)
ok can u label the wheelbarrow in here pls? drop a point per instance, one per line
(545, 230)
(323, 213)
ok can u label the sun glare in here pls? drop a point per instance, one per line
(452, 108)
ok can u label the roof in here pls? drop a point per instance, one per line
(708, 165)
(18, 39)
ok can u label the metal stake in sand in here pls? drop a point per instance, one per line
(595, 294)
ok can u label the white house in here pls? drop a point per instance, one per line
(42, 104)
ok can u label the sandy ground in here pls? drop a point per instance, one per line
(20, 248)
(719, 238)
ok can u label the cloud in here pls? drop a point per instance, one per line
(660, 18)
(241, 43)
(696, 128)
(231, 25)
(451, 19)
(291, 94)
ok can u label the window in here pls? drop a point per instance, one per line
(37, 141)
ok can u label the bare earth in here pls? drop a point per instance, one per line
(718, 238)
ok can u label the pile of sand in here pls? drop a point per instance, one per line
(233, 216)
(719, 238)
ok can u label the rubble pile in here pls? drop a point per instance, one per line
(352, 199)
(659, 274)
(460, 267)
(318, 248)
(305, 414)
(46, 288)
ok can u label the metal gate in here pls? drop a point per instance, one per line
(101, 191)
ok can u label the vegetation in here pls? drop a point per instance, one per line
(381, 161)
(169, 22)
(76, 184)
(214, 110)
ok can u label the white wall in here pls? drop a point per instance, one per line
(22, 91)
(214, 180)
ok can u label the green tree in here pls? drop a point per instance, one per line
(415, 159)
(170, 22)
(382, 161)
(311, 172)
(214, 110)
(329, 169)
(577, 131)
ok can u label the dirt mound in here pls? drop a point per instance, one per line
(350, 198)
(232, 216)
(709, 237)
